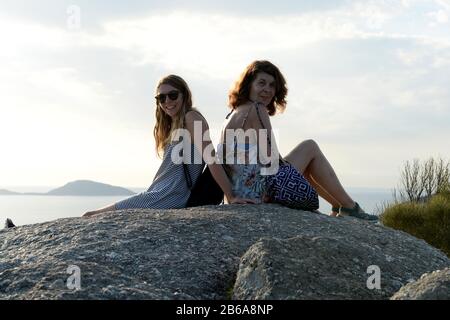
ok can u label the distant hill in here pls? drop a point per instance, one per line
(89, 188)
(4, 192)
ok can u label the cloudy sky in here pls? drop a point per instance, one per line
(368, 80)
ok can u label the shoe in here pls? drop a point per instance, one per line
(9, 224)
(335, 211)
(357, 212)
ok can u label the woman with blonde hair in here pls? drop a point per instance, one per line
(169, 188)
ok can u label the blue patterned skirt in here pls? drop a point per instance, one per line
(290, 188)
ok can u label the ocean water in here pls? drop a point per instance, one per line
(371, 201)
(36, 209)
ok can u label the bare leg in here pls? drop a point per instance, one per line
(307, 157)
(95, 212)
(322, 192)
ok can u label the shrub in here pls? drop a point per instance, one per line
(421, 179)
(429, 221)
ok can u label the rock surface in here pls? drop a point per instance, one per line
(431, 286)
(195, 253)
(326, 267)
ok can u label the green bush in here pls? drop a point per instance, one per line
(429, 221)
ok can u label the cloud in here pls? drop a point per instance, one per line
(438, 17)
(95, 13)
(214, 45)
(360, 77)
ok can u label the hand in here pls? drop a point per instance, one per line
(237, 200)
(90, 214)
(109, 208)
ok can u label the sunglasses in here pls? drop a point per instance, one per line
(173, 95)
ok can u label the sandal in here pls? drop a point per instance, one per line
(335, 211)
(357, 212)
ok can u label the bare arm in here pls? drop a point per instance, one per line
(217, 170)
(261, 120)
(111, 208)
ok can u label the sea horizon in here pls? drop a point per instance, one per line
(45, 189)
(30, 209)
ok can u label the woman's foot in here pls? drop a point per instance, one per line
(334, 212)
(357, 212)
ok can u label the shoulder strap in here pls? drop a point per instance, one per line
(262, 124)
(245, 118)
(281, 160)
(259, 116)
(187, 176)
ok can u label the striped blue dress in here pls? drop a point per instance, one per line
(169, 188)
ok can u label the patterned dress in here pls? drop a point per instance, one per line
(240, 162)
(169, 189)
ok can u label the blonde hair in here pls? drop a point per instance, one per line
(165, 125)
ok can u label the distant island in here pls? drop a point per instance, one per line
(80, 188)
(4, 192)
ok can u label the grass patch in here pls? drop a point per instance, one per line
(429, 221)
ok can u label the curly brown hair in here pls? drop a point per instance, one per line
(240, 93)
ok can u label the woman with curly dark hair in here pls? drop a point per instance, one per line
(259, 93)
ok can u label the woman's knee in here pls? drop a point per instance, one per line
(309, 145)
